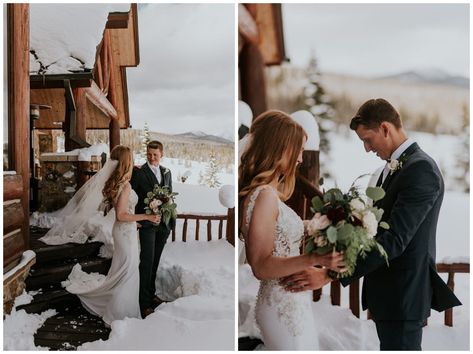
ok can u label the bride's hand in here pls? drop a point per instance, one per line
(334, 261)
(154, 218)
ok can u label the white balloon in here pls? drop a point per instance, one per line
(226, 196)
(308, 122)
(245, 115)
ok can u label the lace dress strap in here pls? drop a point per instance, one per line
(251, 204)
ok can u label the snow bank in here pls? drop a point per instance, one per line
(65, 37)
(84, 154)
(199, 279)
(19, 327)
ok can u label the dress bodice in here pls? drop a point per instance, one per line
(291, 308)
(132, 201)
(289, 226)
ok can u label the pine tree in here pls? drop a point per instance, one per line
(145, 139)
(210, 177)
(321, 106)
(463, 161)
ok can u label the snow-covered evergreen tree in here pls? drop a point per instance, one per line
(210, 177)
(145, 139)
(463, 161)
(321, 106)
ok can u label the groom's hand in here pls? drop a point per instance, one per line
(309, 279)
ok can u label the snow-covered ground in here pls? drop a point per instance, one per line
(338, 328)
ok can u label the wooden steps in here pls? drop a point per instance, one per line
(70, 329)
(42, 276)
(72, 325)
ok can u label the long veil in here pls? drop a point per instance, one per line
(82, 218)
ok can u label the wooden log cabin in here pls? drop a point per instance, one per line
(44, 98)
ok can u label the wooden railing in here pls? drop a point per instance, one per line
(228, 233)
(354, 290)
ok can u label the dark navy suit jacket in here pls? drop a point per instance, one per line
(409, 287)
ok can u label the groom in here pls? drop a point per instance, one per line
(152, 236)
(399, 296)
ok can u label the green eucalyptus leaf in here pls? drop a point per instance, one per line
(150, 195)
(332, 234)
(317, 204)
(309, 246)
(375, 193)
(384, 225)
(345, 232)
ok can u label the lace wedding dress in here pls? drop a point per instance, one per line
(285, 319)
(115, 296)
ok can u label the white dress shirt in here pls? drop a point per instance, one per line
(396, 155)
(156, 171)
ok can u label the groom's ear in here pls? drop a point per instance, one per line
(384, 127)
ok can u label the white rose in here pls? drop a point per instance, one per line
(393, 165)
(318, 222)
(357, 204)
(154, 205)
(370, 223)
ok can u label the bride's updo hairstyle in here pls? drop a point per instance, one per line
(120, 176)
(273, 149)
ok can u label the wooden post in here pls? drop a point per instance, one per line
(253, 89)
(18, 46)
(231, 226)
(449, 312)
(114, 133)
(335, 292)
(355, 297)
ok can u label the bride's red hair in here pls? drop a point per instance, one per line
(273, 149)
(120, 176)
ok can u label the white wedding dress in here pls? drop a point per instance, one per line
(285, 319)
(115, 296)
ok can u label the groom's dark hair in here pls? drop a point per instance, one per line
(154, 144)
(373, 112)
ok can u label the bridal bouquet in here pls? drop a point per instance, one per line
(161, 201)
(346, 222)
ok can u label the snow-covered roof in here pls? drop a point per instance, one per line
(64, 37)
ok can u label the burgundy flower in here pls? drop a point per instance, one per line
(356, 222)
(336, 214)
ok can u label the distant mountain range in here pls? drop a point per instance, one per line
(432, 76)
(199, 135)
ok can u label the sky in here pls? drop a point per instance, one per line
(185, 79)
(378, 39)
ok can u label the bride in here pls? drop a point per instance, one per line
(272, 231)
(114, 296)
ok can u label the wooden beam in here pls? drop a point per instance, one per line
(13, 216)
(114, 133)
(247, 26)
(17, 36)
(252, 82)
(117, 20)
(99, 99)
(72, 138)
(12, 187)
(57, 80)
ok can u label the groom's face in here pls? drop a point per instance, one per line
(374, 140)
(154, 156)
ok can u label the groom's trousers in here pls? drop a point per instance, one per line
(152, 241)
(400, 335)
